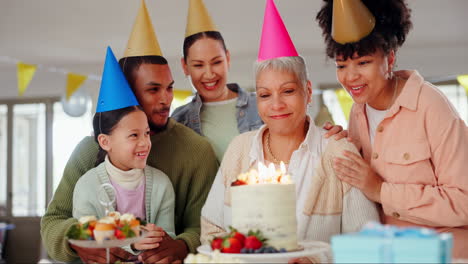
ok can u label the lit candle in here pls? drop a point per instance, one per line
(282, 168)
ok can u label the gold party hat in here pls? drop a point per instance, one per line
(143, 41)
(198, 19)
(351, 21)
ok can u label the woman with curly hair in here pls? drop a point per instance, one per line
(414, 143)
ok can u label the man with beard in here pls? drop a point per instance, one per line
(178, 151)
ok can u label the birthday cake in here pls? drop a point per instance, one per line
(266, 201)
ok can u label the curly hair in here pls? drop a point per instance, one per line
(392, 24)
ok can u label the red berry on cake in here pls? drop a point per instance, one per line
(231, 245)
(238, 182)
(239, 237)
(252, 242)
(217, 243)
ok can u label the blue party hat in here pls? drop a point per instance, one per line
(115, 92)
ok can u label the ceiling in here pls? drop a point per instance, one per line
(73, 35)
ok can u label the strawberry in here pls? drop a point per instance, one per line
(254, 240)
(217, 243)
(236, 234)
(239, 236)
(231, 245)
(238, 182)
(119, 234)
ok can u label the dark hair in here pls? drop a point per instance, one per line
(105, 122)
(130, 65)
(190, 40)
(392, 24)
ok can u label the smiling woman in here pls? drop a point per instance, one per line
(219, 111)
(412, 139)
(325, 206)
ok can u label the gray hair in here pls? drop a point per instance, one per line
(295, 65)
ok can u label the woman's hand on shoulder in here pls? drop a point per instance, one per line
(357, 172)
(335, 130)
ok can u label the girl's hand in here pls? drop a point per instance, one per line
(359, 174)
(154, 237)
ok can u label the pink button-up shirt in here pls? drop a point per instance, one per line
(421, 151)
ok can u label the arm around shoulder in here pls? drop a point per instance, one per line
(58, 217)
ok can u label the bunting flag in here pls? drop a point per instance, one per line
(179, 97)
(181, 94)
(463, 80)
(74, 81)
(25, 74)
(345, 101)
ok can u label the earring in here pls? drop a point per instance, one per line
(390, 74)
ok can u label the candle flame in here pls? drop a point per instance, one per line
(266, 175)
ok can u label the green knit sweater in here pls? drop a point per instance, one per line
(186, 158)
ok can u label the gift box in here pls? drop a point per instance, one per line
(377, 243)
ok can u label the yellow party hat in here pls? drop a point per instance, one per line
(351, 22)
(198, 19)
(143, 41)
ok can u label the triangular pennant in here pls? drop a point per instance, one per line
(115, 92)
(198, 19)
(25, 74)
(275, 41)
(345, 100)
(181, 95)
(74, 81)
(143, 40)
(463, 80)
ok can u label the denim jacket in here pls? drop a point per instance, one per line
(246, 114)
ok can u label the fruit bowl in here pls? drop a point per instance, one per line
(315, 249)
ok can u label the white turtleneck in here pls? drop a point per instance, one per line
(129, 180)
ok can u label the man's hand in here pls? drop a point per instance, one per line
(335, 130)
(98, 255)
(153, 238)
(169, 251)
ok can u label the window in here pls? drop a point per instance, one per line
(33, 157)
(457, 96)
(28, 169)
(330, 99)
(67, 133)
(3, 159)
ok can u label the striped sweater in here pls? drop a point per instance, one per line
(184, 156)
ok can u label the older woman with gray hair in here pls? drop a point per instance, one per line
(325, 206)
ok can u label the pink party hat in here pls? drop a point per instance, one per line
(275, 41)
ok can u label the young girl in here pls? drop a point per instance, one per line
(413, 142)
(124, 145)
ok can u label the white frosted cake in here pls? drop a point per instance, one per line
(268, 206)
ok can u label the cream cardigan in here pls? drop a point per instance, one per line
(325, 205)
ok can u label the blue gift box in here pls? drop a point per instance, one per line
(376, 243)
